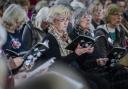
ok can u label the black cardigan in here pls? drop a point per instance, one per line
(54, 50)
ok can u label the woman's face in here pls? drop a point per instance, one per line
(115, 19)
(98, 14)
(16, 25)
(84, 22)
(61, 23)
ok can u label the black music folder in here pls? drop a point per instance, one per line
(84, 41)
(117, 53)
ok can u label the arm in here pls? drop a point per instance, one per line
(27, 38)
(101, 44)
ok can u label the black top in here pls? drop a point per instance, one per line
(54, 50)
(14, 42)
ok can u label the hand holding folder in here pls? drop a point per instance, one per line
(84, 41)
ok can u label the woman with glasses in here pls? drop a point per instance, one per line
(58, 18)
(58, 38)
(112, 30)
(114, 37)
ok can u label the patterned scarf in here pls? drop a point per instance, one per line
(62, 39)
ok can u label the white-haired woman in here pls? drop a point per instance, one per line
(36, 31)
(57, 34)
(58, 38)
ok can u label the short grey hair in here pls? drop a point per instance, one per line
(12, 14)
(42, 15)
(77, 16)
(58, 10)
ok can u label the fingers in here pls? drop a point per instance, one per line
(102, 61)
(16, 62)
(90, 49)
(80, 51)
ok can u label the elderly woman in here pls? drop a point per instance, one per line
(81, 24)
(35, 32)
(91, 59)
(57, 35)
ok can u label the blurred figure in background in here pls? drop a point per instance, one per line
(35, 32)
(3, 65)
(59, 77)
(25, 4)
(97, 16)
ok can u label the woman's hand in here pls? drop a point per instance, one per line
(102, 61)
(80, 50)
(15, 62)
(90, 50)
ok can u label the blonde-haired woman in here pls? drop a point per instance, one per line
(57, 35)
(13, 17)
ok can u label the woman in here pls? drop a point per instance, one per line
(13, 17)
(58, 38)
(57, 35)
(115, 37)
(112, 30)
(97, 16)
(35, 32)
(81, 27)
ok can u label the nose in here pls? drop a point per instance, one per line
(66, 22)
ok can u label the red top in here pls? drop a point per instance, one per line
(33, 2)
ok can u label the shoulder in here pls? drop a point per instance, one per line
(50, 37)
(101, 30)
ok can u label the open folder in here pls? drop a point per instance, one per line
(84, 41)
(117, 53)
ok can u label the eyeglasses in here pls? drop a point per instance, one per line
(117, 14)
(62, 19)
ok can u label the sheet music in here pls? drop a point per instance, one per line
(42, 67)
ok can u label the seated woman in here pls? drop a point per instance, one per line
(13, 17)
(112, 30)
(36, 31)
(57, 34)
(115, 37)
(58, 37)
(81, 27)
(97, 16)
